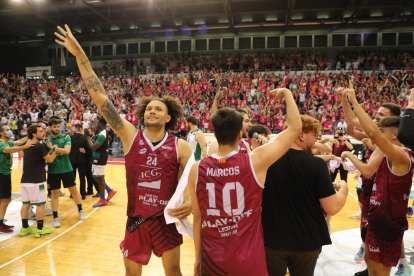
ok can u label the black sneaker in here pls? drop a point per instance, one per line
(362, 273)
(96, 195)
(89, 193)
(83, 197)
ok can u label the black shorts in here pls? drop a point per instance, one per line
(54, 180)
(5, 186)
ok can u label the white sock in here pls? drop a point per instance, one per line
(403, 261)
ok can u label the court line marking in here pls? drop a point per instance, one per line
(49, 241)
(353, 196)
(22, 238)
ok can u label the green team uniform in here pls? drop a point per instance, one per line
(6, 159)
(100, 156)
(62, 162)
(194, 144)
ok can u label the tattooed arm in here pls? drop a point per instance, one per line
(125, 130)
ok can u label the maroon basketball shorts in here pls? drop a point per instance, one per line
(386, 252)
(144, 236)
(364, 211)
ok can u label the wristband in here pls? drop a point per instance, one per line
(25, 146)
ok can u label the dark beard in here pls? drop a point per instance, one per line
(244, 135)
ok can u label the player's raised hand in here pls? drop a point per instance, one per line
(279, 93)
(68, 40)
(411, 100)
(219, 94)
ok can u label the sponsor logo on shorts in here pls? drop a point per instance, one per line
(143, 151)
(373, 249)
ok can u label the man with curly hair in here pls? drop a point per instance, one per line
(152, 161)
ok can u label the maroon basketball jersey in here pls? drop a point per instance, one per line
(365, 196)
(152, 175)
(230, 199)
(389, 199)
(242, 147)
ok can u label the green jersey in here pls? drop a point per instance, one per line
(6, 159)
(62, 162)
(100, 156)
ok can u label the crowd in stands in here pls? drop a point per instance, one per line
(195, 86)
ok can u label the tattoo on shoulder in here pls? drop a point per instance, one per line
(92, 82)
(108, 110)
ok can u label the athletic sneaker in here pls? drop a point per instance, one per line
(356, 216)
(359, 257)
(403, 270)
(48, 211)
(8, 226)
(111, 195)
(43, 232)
(362, 273)
(27, 231)
(82, 215)
(56, 223)
(5, 229)
(409, 212)
(62, 193)
(100, 203)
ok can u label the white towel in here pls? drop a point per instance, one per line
(333, 164)
(348, 165)
(184, 226)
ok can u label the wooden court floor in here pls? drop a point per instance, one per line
(91, 247)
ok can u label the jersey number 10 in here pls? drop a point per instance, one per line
(226, 199)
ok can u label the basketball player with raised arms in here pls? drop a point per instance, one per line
(226, 192)
(387, 219)
(244, 146)
(368, 172)
(152, 161)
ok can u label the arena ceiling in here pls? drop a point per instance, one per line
(26, 21)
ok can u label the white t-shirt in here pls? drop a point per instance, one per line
(343, 126)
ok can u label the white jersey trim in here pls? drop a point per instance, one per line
(195, 186)
(176, 149)
(253, 172)
(215, 156)
(409, 169)
(150, 144)
(133, 141)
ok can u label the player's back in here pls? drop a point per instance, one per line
(389, 200)
(152, 175)
(230, 198)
